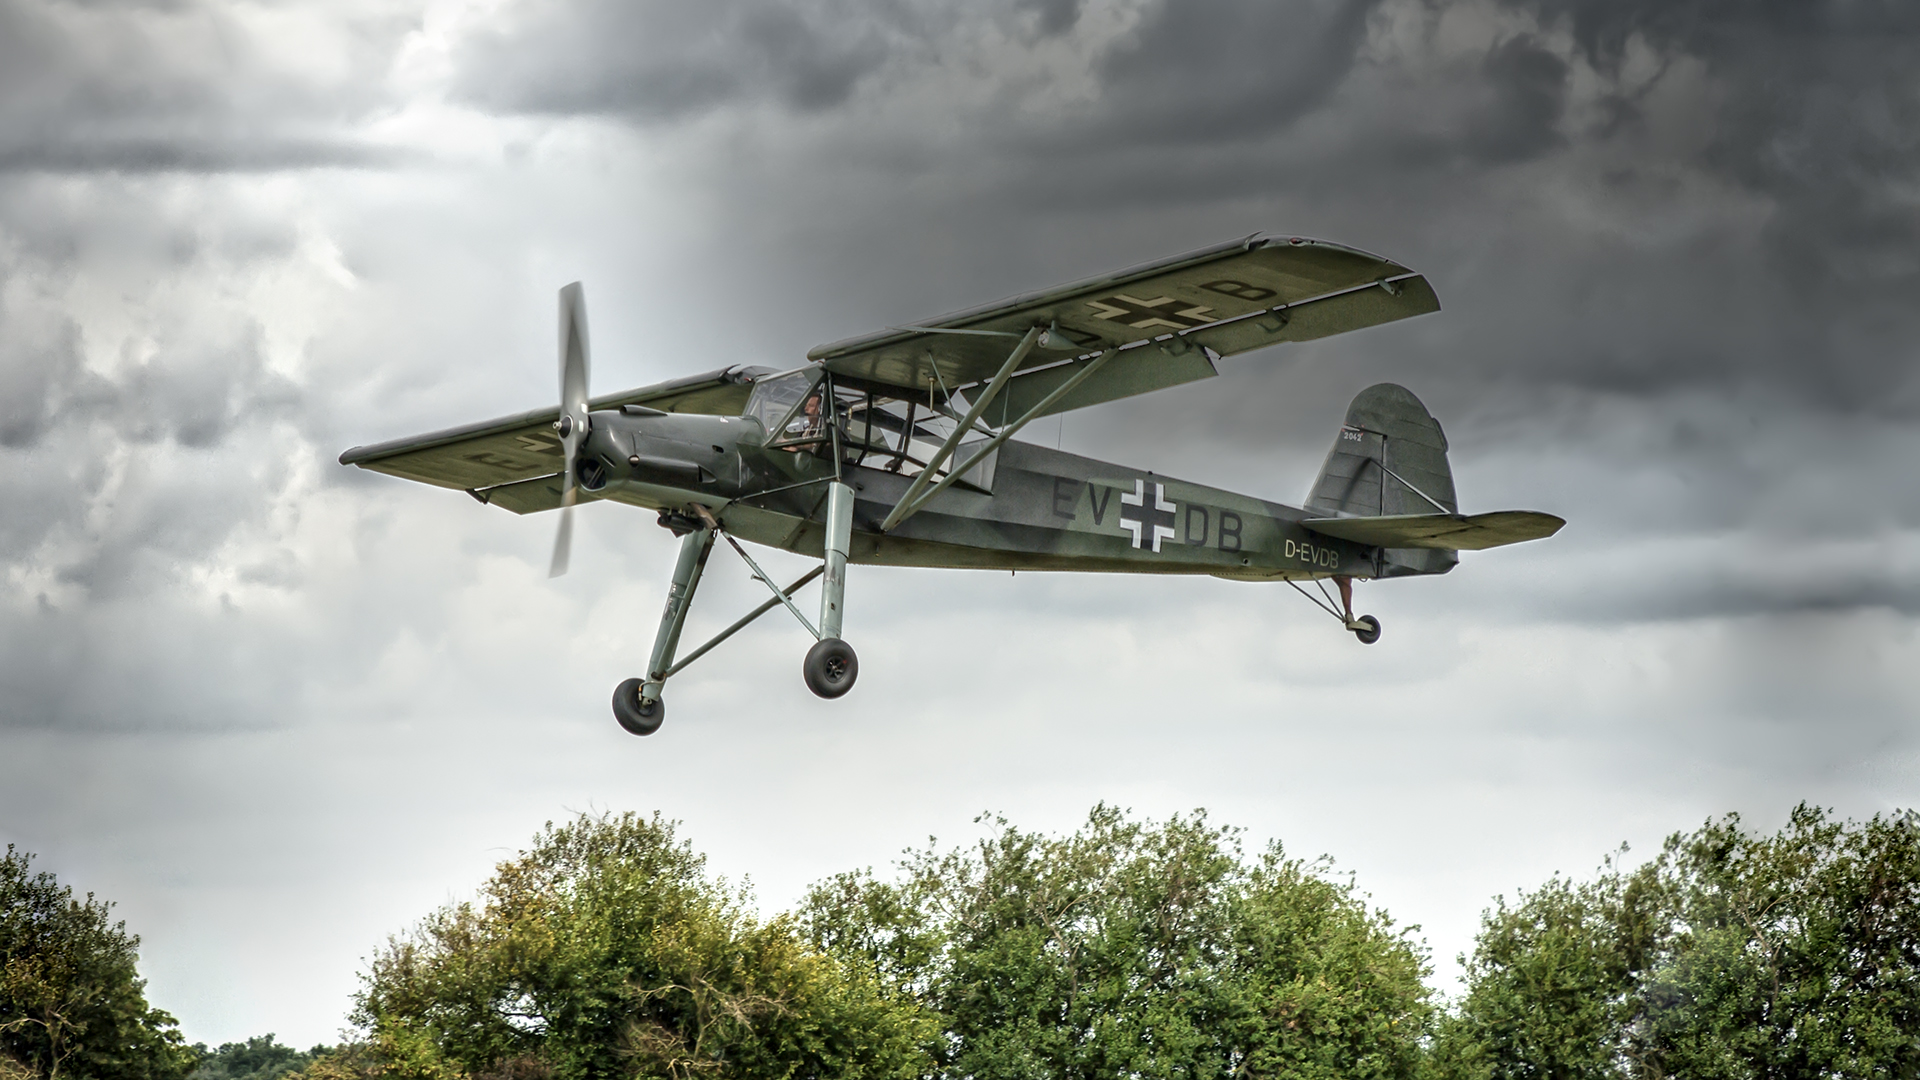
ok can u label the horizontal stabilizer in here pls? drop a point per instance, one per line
(1454, 532)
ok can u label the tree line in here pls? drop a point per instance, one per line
(1127, 948)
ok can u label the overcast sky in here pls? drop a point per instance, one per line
(277, 709)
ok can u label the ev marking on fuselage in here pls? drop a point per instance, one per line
(1156, 520)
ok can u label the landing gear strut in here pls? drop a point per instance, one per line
(831, 666)
(1366, 627)
(636, 702)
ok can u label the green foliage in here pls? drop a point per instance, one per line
(1732, 955)
(605, 951)
(259, 1058)
(1139, 950)
(71, 1002)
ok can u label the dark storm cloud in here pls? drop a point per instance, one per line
(1210, 71)
(668, 59)
(192, 154)
(1820, 113)
(183, 87)
(1054, 16)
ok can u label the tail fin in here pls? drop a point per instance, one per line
(1389, 459)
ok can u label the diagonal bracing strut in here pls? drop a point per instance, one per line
(707, 518)
(910, 503)
(742, 624)
(901, 509)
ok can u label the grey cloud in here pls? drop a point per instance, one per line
(1820, 112)
(1528, 86)
(195, 154)
(669, 59)
(38, 359)
(1053, 16)
(1212, 71)
(181, 87)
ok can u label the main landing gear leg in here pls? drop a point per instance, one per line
(1366, 627)
(831, 667)
(636, 702)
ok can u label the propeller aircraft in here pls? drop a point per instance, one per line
(897, 448)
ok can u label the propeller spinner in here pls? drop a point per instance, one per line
(572, 425)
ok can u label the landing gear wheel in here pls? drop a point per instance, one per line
(1369, 633)
(831, 668)
(638, 717)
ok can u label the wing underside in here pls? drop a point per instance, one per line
(505, 461)
(1166, 318)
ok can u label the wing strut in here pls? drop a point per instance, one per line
(909, 505)
(1020, 351)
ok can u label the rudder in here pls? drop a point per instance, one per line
(1389, 458)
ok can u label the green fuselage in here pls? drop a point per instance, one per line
(1041, 509)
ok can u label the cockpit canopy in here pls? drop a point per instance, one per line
(805, 409)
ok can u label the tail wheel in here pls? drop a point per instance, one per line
(637, 716)
(831, 668)
(1369, 633)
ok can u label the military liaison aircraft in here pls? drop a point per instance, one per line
(897, 449)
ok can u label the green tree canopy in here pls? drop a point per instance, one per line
(606, 951)
(258, 1058)
(1132, 949)
(1731, 955)
(72, 1003)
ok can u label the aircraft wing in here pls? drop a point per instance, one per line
(1230, 298)
(501, 461)
(1454, 532)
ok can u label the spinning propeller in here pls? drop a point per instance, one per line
(572, 424)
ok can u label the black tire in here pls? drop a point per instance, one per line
(1369, 633)
(831, 668)
(639, 718)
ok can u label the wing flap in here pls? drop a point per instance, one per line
(492, 453)
(527, 496)
(1216, 296)
(1355, 309)
(1453, 532)
(1136, 371)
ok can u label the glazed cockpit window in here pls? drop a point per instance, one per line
(778, 403)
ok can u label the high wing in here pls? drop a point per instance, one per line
(514, 461)
(1227, 299)
(1455, 532)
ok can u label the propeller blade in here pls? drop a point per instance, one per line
(573, 355)
(572, 424)
(563, 540)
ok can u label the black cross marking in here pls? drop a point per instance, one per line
(540, 443)
(1148, 515)
(1160, 311)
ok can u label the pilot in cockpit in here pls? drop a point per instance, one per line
(806, 423)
